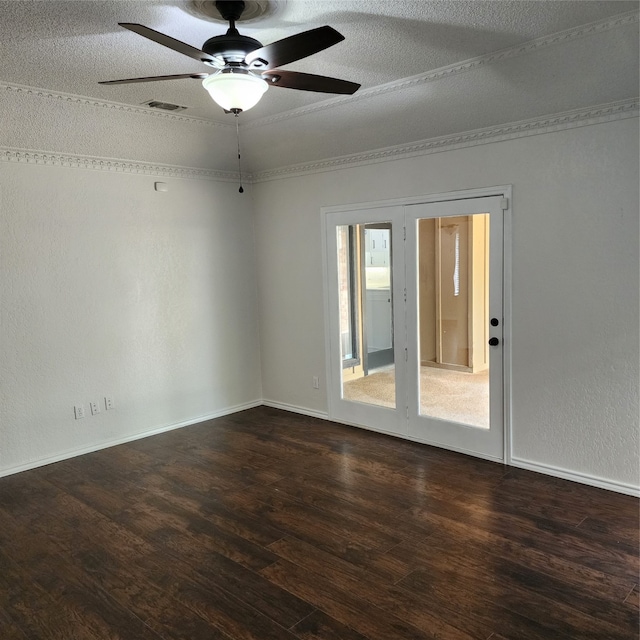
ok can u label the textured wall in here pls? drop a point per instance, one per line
(575, 284)
(109, 287)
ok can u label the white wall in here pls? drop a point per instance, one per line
(575, 284)
(109, 287)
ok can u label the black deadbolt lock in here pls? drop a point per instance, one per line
(494, 342)
(495, 322)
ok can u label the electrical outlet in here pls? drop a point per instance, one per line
(108, 402)
(95, 408)
(78, 411)
(316, 382)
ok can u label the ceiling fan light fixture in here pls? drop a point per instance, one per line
(235, 91)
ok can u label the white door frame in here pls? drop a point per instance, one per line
(503, 191)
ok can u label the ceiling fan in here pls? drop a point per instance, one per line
(244, 67)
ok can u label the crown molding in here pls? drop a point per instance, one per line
(30, 156)
(106, 104)
(621, 20)
(558, 122)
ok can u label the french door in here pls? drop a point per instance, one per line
(415, 318)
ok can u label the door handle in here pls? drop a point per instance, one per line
(494, 342)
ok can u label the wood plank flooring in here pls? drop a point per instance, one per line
(267, 525)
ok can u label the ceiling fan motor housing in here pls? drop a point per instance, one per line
(231, 47)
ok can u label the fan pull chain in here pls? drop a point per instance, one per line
(240, 190)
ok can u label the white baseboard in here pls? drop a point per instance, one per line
(521, 463)
(583, 478)
(295, 409)
(65, 455)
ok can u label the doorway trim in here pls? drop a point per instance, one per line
(503, 191)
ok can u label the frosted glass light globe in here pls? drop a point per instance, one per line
(233, 91)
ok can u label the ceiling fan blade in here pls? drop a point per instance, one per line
(196, 76)
(293, 48)
(309, 82)
(167, 41)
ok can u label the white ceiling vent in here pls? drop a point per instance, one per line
(165, 106)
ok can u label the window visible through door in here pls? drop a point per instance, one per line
(365, 309)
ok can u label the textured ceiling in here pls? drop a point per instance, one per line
(69, 46)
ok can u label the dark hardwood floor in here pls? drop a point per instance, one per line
(268, 525)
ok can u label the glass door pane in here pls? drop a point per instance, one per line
(453, 322)
(366, 313)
